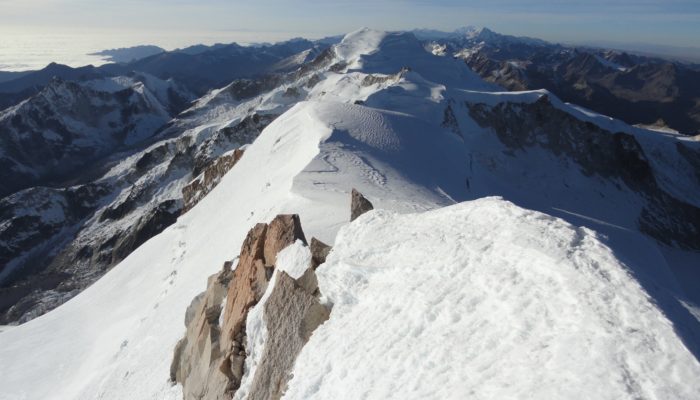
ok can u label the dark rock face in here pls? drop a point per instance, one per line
(207, 180)
(449, 120)
(209, 361)
(615, 156)
(641, 90)
(499, 72)
(66, 127)
(35, 221)
(222, 141)
(358, 205)
(319, 252)
(74, 247)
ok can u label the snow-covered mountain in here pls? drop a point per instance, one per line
(637, 89)
(135, 194)
(521, 247)
(68, 126)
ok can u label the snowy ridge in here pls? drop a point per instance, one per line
(482, 298)
(114, 354)
(454, 316)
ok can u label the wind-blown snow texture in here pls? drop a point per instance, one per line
(486, 300)
(482, 299)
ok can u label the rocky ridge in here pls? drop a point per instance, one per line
(209, 361)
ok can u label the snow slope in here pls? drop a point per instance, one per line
(486, 300)
(462, 290)
(115, 339)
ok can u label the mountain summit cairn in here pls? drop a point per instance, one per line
(358, 205)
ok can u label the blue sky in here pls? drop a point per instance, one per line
(670, 22)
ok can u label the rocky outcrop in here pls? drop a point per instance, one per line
(449, 120)
(292, 313)
(319, 252)
(358, 205)
(207, 180)
(209, 362)
(192, 363)
(372, 79)
(70, 237)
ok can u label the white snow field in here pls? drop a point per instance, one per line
(482, 299)
(486, 300)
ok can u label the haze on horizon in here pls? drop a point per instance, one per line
(660, 22)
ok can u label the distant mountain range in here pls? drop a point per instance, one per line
(97, 160)
(637, 89)
(198, 68)
(129, 54)
(371, 219)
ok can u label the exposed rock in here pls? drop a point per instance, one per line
(292, 92)
(449, 120)
(149, 225)
(210, 363)
(359, 205)
(207, 180)
(292, 313)
(636, 89)
(195, 353)
(319, 252)
(372, 79)
(611, 155)
(221, 141)
(70, 237)
(62, 131)
(282, 231)
(313, 81)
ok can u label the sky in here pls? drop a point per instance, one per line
(665, 22)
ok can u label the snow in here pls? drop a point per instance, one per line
(361, 42)
(130, 320)
(481, 299)
(432, 305)
(609, 64)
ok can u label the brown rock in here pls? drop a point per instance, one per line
(200, 347)
(210, 360)
(319, 252)
(283, 231)
(358, 205)
(292, 313)
(208, 179)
